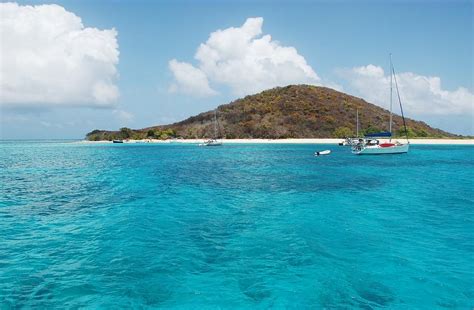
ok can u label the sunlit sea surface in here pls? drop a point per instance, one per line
(237, 226)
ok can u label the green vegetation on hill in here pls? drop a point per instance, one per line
(127, 133)
(295, 111)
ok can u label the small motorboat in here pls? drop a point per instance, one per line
(117, 141)
(349, 141)
(325, 152)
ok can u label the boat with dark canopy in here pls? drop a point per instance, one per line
(370, 144)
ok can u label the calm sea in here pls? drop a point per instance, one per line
(237, 226)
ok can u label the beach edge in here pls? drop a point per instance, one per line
(290, 141)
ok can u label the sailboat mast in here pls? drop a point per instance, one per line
(391, 91)
(357, 126)
(400, 101)
(215, 124)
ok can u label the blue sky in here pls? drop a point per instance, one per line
(431, 42)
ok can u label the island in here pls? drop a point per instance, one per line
(291, 112)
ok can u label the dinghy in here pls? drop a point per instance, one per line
(325, 152)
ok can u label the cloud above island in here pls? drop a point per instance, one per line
(421, 95)
(50, 59)
(245, 61)
(242, 59)
(189, 79)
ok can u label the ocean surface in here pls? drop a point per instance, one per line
(237, 226)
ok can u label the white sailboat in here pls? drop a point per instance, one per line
(371, 145)
(352, 141)
(213, 141)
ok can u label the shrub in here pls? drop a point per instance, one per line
(125, 132)
(343, 132)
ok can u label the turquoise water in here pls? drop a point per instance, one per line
(237, 226)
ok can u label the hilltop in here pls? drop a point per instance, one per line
(295, 111)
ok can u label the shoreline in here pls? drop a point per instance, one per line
(289, 141)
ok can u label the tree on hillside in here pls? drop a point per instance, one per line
(343, 132)
(125, 132)
(410, 132)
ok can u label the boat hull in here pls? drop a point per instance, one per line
(325, 152)
(396, 149)
(211, 142)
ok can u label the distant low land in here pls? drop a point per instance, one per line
(291, 112)
(416, 141)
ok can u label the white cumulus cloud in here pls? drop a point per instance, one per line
(244, 60)
(48, 58)
(420, 95)
(189, 79)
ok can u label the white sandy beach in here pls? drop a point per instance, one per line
(293, 141)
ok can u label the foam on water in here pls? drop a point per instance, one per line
(236, 226)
